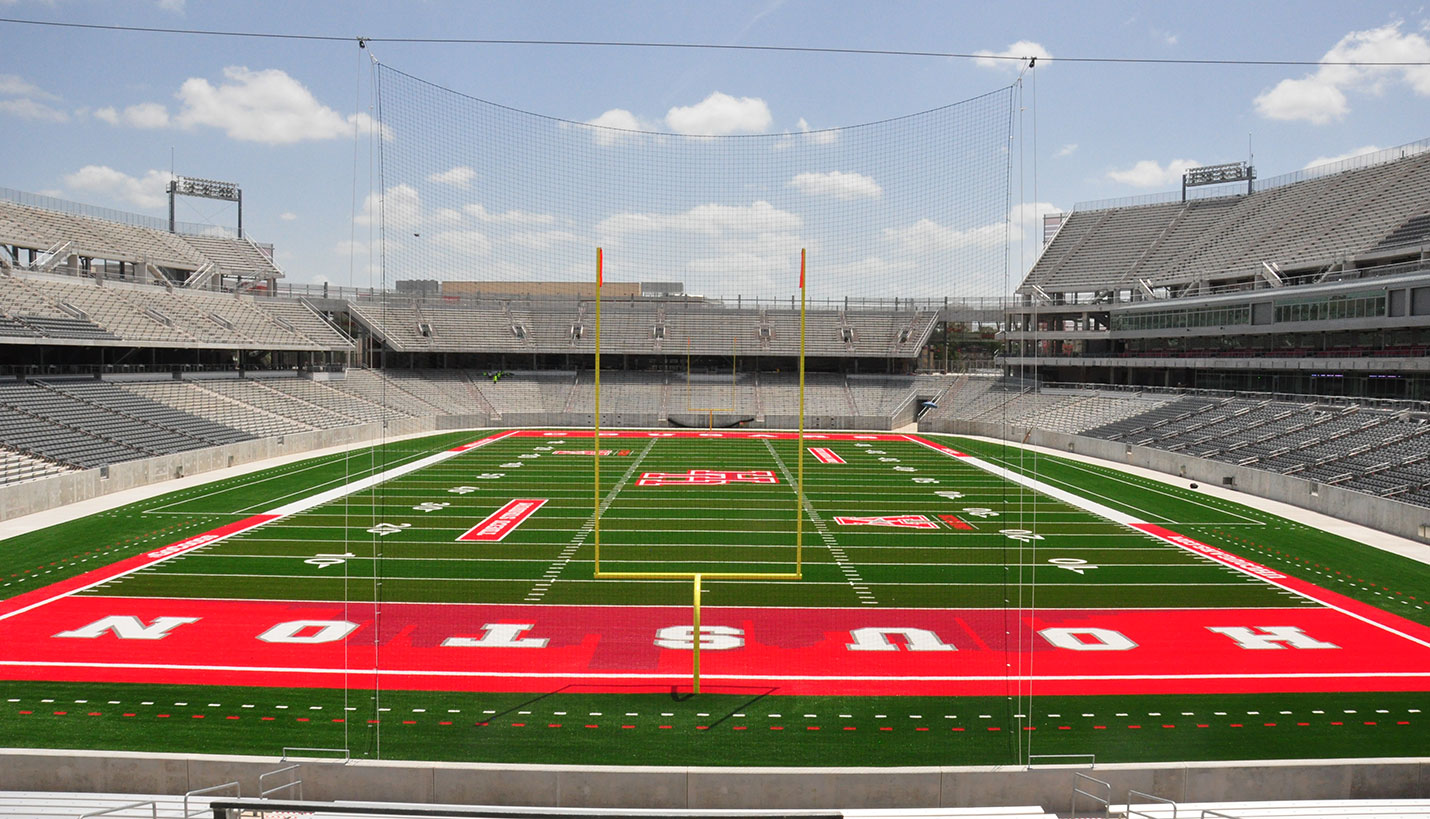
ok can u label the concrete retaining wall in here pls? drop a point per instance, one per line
(1403, 519)
(870, 423)
(71, 487)
(713, 788)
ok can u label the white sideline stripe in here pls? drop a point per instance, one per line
(281, 512)
(304, 504)
(1128, 520)
(390, 672)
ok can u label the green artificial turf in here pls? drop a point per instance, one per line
(748, 727)
(738, 527)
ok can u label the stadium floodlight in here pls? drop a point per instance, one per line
(1218, 175)
(205, 189)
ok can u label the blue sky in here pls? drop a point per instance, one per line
(93, 116)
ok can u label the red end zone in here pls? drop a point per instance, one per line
(792, 651)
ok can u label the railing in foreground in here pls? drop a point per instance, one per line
(1102, 796)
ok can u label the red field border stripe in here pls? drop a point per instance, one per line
(47, 594)
(64, 588)
(1392, 623)
(825, 455)
(735, 434)
(503, 521)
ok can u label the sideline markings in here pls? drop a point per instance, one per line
(1350, 607)
(48, 594)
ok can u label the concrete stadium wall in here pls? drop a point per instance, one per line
(71, 487)
(1403, 519)
(872, 423)
(579, 420)
(713, 788)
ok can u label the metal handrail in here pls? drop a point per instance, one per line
(1131, 812)
(298, 781)
(1208, 813)
(237, 792)
(347, 755)
(1105, 802)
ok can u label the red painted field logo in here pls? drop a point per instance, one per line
(591, 452)
(899, 521)
(825, 455)
(500, 523)
(706, 477)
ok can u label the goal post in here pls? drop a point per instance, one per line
(696, 578)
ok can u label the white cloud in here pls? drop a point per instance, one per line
(744, 247)
(102, 180)
(266, 106)
(401, 206)
(466, 242)
(615, 126)
(1020, 50)
(288, 216)
(1149, 174)
(838, 184)
(720, 114)
(510, 217)
(1351, 154)
(822, 137)
(143, 115)
(543, 239)
(26, 108)
(928, 236)
(460, 176)
(1321, 96)
(1066, 150)
(707, 220)
(13, 85)
(176, 6)
(1310, 99)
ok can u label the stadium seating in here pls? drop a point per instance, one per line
(1311, 221)
(42, 229)
(18, 467)
(57, 306)
(1379, 451)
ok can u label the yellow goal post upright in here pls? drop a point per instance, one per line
(696, 578)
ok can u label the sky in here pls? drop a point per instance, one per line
(100, 117)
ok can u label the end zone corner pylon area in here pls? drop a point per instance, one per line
(932, 574)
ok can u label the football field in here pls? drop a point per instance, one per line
(895, 599)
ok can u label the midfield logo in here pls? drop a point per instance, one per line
(901, 521)
(706, 477)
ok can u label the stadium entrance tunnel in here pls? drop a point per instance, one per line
(707, 420)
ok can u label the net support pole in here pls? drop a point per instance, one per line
(596, 428)
(799, 458)
(695, 640)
